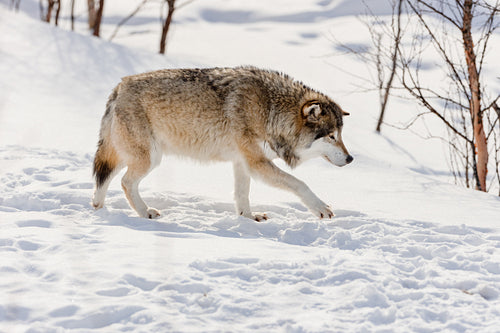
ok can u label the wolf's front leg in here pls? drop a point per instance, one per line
(260, 166)
(241, 191)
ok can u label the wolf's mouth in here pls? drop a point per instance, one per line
(336, 164)
(329, 160)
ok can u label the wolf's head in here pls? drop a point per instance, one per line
(322, 120)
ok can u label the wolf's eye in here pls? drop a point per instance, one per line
(331, 136)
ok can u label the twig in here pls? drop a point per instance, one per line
(122, 22)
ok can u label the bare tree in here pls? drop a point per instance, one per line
(58, 12)
(98, 19)
(14, 4)
(165, 22)
(72, 15)
(91, 13)
(46, 12)
(95, 10)
(382, 56)
(459, 101)
(461, 107)
(396, 40)
(166, 25)
(496, 142)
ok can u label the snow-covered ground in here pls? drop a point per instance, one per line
(407, 250)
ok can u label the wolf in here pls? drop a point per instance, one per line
(244, 115)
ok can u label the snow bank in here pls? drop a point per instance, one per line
(405, 251)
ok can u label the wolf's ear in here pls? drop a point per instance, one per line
(311, 111)
(345, 113)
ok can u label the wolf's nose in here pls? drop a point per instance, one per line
(349, 159)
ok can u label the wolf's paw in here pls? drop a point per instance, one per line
(259, 217)
(322, 211)
(152, 213)
(97, 200)
(327, 213)
(97, 205)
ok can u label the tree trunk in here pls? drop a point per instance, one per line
(480, 142)
(98, 19)
(50, 7)
(72, 15)
(58, 11)
(14, 4)
(394, 62)
(91, 7)
(166, 25)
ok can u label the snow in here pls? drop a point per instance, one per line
(406, 251)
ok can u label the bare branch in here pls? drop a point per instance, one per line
(416, 91)
(439, 46)
(488, 28)
(123, 21)
(411, 122)
(495, 108)
(394, 62)
(440, 13)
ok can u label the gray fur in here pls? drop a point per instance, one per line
(210, 114)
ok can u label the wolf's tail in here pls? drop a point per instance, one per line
(106, 158)
(105, 162)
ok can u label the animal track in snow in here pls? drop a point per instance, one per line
(34, 223)
(117, 292)
(28, 246)
(140, 282)
(101, 318)
(367, 270)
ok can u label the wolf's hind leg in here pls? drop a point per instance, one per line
(241, 191)
(136, 171)
(102, 189)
